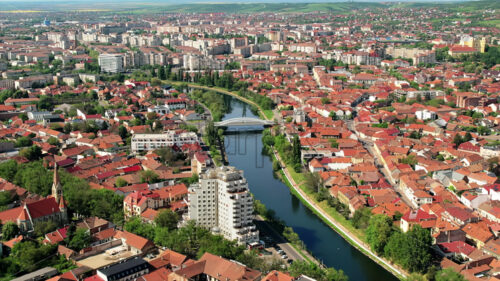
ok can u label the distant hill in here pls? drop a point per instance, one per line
(274, 7)
(256, 6)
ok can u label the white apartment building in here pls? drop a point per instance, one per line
(196, 62)
(222, 202)
(425, 114)
(112, 63)
(145, 142)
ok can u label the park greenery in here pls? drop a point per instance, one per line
(290, 152)
(28, 256)
(213, 101)
(227, 82)
(80, 198)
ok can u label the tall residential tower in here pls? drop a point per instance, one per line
(222, 202)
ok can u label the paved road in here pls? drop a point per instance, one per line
(369, 145)
(278, 239)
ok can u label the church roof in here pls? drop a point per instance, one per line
(43, 207)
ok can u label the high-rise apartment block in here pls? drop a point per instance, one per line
(222, 202)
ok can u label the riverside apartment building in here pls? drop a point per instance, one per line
(222, 202)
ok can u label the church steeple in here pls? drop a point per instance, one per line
(56, 186)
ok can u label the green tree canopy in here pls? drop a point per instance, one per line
(9, 230)
(449, 274)
(167, 219)
(361, 218)
(378, 232)
(81, 239)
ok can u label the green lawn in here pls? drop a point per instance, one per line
(269, 114)
(495, 23)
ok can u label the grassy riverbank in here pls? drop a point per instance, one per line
(342, 226)
(266, 114)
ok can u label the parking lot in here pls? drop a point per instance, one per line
(276, 244)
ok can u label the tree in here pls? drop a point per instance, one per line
(122, 132)
(167, 219)
(43, 227)
(448, 274)
(23, 142)
(415, 135)
(23, 116)
(70, 233)
(135, 225)
(334, 143)
(416, 277)
(9, 230)
(313, 181)
(46, 103)
(53, 141)
(378, 232)
(467, 137)
(410, 160)
(120, 182)
(8, 170)
(34, 177)
(161, 73)
(296, 152)
(155, 82)
(361, 218)
(31, 153)
(148, 176)
(67, 128)
(457, 140)
(81, 239)
(420, 253)
(6, 198)
(310, 269)
(412, 250)
(28, 255)
(166, 154)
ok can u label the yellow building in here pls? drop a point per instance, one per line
(477, 43)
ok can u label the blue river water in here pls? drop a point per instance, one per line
(244, 152)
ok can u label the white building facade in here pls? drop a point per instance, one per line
(221, 201)
(145, 142)
(112, 63)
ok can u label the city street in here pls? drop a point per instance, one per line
(370, 147)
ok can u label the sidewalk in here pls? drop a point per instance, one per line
(339, 228)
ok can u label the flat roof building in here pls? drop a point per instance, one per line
(145, 142)
(112, 63)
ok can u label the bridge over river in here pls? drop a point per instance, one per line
(243, 121)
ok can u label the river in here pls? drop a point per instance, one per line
(244, 152)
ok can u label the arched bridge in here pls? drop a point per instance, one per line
(243, 121)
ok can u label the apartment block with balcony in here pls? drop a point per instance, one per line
(221, 201)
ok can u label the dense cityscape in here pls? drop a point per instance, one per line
(273, 142)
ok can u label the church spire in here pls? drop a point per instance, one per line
(56, 186)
